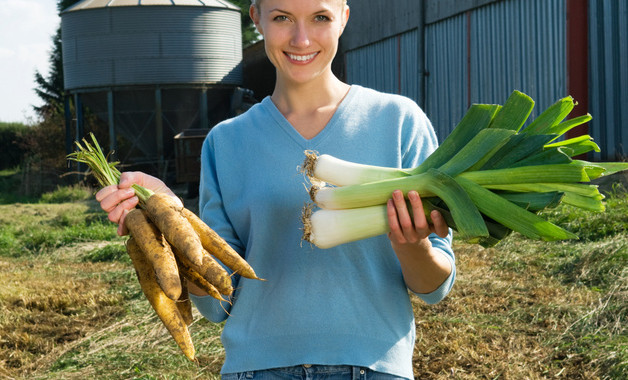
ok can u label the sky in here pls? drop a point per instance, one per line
(26, 31)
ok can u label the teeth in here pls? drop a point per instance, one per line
(302, 57)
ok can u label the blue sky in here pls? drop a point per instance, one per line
(26, 30)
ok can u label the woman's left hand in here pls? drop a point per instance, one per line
(424, 268)
(406, 228)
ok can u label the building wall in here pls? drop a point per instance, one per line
(390, 65)
(147, 45)
(482, 55)
(608, 77)
(371, 21)
(448, 54)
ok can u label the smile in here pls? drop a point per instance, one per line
(301, 58)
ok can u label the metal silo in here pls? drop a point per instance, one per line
(151, 69)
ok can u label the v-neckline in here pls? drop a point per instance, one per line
(303, 142)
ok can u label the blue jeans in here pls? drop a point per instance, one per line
(312, 372)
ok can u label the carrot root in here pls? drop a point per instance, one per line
(165, 308)
(157, 251)
(218, 247)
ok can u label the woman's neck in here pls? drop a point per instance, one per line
(309, 107)
(306, 98)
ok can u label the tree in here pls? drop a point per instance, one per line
(50, 89)
(249, 33)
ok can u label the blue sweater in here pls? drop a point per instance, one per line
(344, 305)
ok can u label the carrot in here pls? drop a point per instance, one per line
(210, 270)
(184, 304)
(198, 280)
(157, 251)
(217, 246)
(165, 307)
(166, 214)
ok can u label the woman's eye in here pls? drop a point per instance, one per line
(322, 18)
(280, 18)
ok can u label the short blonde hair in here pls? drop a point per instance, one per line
(255, 3)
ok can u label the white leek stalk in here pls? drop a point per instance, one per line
(329, 228)
(335, 171)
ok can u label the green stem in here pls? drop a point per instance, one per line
(105, 172)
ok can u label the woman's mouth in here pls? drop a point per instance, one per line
(300, 58)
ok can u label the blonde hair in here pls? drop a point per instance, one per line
(255, 3)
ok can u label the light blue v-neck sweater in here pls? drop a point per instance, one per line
(344, 305)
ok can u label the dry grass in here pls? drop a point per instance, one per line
(47, 305)
(521, 310)
(513, 315)
(495, 324)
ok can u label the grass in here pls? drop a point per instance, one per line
(535, 310)
(72, 307)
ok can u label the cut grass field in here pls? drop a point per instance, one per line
(72, 307)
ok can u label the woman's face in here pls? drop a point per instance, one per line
(300, 36)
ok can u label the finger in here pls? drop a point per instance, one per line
(112, 200)
(420, 221)
(122, 230)
(128, 179)
(440, 226)
(105, 192)
(120, 210)
(395, 233)
(405, 221)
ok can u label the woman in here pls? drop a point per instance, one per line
(342, 312)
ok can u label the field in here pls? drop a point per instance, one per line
(72, 308)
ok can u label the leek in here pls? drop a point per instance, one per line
(488, 178)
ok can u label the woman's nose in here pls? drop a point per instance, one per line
(300, 36)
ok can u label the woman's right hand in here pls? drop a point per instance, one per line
(118, 200)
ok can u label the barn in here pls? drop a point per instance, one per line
(447, 54)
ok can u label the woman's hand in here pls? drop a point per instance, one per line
(406, 229)
(424, 268)
(118, 200)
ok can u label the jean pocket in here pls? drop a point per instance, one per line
(236, 376)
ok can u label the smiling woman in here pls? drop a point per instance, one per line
(345, 310)
(301, 40)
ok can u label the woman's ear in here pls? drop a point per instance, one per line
(253, 13)
(345, 18)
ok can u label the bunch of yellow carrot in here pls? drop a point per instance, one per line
(170, 246)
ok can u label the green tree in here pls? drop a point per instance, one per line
(50, 88)
(249, 33)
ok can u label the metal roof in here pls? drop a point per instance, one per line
(91, 4)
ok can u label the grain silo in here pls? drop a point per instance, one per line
(151, 70)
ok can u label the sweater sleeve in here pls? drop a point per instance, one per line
(212, 212)
(419, 142)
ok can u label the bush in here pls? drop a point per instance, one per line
(11, 135)
(65, 194)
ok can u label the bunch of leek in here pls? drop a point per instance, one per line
(489, 177)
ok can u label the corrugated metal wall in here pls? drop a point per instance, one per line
(134, 45)
(447, 73)
(486, 53)
(608, 77)
(391, 65)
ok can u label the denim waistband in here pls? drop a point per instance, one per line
(307, 371)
